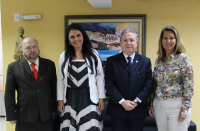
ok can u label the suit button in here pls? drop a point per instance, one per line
(130, 76)
(37, 90)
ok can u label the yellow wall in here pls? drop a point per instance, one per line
(49, 31)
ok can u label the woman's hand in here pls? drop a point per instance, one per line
(151, 111)
(61, 106)
(181, 117)
(101, 104)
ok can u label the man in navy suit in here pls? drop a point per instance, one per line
(129, 83)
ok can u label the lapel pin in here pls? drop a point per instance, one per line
(136, 61)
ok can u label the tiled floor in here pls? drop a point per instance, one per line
(2, 124)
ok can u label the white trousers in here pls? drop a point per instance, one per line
(166, 114)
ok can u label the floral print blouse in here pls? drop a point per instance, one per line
(174, 78)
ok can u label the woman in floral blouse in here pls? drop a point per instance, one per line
(173, 77)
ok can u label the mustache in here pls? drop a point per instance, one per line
(33, 53)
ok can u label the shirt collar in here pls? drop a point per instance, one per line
(132, 56)
(172, 55)
(36, 62)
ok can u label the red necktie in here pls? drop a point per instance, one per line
(35, 72)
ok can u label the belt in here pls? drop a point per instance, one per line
(165, 97)
(78, 87)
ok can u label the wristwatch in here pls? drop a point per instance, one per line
(136, 101)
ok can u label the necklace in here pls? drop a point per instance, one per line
(80, 56)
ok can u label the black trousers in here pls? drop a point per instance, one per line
(39, 125)
(127, 124)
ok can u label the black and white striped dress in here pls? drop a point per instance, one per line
(80, 113)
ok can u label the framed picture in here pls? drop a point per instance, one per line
(104, 31)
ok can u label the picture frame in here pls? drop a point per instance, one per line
(104, 31)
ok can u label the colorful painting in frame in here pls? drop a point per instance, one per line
(104, 31)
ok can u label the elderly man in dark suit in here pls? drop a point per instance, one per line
(34, 79)
(129, 83)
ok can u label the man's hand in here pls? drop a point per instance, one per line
(13, 122)
(128, 105)
(134, 104)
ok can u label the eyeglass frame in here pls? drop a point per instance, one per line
(126, 41)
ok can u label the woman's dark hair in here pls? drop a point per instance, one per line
(87, 50)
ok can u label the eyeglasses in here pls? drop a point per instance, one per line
(126, 41)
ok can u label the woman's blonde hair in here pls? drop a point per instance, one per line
(179, 48)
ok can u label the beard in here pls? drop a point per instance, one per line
(30, 57)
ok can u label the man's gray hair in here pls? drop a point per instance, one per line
(126, 31)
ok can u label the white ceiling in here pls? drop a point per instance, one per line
(100, 3)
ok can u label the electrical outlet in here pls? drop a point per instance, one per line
(16, 17)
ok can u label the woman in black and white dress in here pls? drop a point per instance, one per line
(80, 85)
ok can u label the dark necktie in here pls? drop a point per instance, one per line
(35, 72)
(129, 62)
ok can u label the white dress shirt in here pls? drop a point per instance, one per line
(36, 66)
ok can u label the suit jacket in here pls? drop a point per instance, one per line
(120, 82)
(96, 82)
(32, 100)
